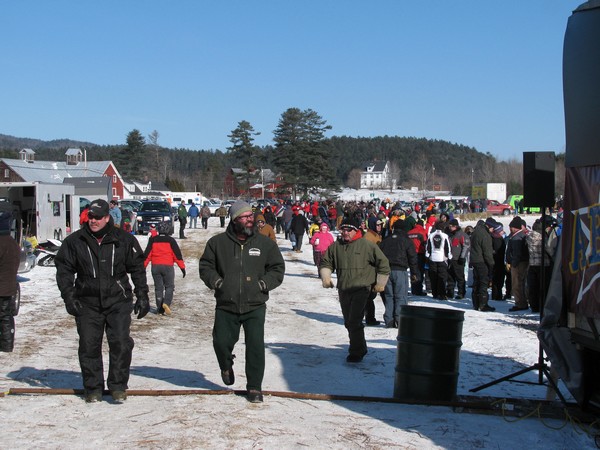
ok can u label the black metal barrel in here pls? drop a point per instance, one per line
(428, 355)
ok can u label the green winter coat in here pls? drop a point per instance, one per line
(481, 250)
(241, 273)
(356, 263)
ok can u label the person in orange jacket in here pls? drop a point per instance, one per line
(162, 251)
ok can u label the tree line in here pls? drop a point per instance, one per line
(303, 157)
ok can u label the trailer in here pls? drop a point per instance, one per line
(45, 210)
(490, 191)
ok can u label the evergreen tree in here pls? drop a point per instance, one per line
(129, 158)
(243, 147)
(302, 154)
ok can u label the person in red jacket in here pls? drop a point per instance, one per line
(83, 217)
(162, 251)
(419, 237)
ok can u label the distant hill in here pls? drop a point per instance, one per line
(414, 161)
(8, 143)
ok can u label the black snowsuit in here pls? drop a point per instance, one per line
(95, 273)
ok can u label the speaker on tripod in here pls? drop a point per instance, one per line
(538, 191)
(538, 179)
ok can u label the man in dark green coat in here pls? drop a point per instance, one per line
(242, 266)
(482, 261)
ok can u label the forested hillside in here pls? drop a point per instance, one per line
(415, 161)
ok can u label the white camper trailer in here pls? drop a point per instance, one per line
(46, 210)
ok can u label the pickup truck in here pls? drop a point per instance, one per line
(153, 212)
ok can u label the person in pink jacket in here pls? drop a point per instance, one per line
(320, 240)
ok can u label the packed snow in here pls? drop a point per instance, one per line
(306, 346)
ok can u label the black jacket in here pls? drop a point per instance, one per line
(96, 274)
(299, 224)
(400, 251)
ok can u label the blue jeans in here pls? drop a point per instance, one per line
(396, 295)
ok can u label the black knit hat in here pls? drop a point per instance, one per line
(351, 222)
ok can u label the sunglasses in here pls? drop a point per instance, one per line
(348, 229)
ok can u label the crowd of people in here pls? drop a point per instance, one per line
(507, 261)
(382, 249)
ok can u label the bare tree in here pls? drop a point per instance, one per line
(354, 179)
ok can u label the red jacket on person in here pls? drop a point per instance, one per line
(164, 250)
(419, 237)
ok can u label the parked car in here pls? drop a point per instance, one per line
(153, 212)
(497, 208)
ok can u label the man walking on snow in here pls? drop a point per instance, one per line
(242, 266)
(361, 267)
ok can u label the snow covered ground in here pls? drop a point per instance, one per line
(306, 349)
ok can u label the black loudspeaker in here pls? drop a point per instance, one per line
(538, 178)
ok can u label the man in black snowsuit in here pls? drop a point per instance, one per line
(91, 272)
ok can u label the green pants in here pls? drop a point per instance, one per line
(226, 333)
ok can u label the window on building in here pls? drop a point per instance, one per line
(6, 173)
(114, 178)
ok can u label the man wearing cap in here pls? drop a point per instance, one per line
(459, 247)
(242, 266)
(361, 268)
(517, 262)
(482, 260)
(91, 273)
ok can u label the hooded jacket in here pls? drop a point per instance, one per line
(241, 273)
(96, 273)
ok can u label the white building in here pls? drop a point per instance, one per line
(375, 174)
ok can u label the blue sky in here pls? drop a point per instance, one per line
(486, 74)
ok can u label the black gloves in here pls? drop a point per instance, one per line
(73, 306)
(263, 286)
(219, 283)
(461, 261)
(413, 278)
(183, 272)
(142, 306)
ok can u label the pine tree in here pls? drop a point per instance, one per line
(301, 152)
(243, 147)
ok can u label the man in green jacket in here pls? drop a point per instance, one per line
(242, 266)
(361, 267)
(482, 261)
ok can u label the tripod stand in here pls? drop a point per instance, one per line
(540, 365)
